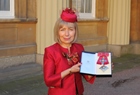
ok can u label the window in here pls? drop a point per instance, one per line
(85, 8)
(6, 8)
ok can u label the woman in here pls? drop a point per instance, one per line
(62, 59)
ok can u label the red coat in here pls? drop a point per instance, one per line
(54, 64)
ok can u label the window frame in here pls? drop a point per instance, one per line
(88, 15)
(8, 14)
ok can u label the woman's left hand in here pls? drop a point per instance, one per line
(112, 64)
(90, 76)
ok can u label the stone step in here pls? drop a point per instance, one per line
(96, 48)
(20, 71)
(93, 41)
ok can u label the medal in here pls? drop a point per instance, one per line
(103, 60)
(72, 58)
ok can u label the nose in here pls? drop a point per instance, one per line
(67, 32)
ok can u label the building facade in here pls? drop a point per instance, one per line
(112, 25)
(17, 32)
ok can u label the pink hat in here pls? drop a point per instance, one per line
(68, 15)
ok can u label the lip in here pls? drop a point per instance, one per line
(66, 38)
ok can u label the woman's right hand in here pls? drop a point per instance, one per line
(75, 68)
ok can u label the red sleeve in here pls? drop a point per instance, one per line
(50, 78)
(91, 80)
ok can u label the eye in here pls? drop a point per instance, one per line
(62, 29)
(71, 29)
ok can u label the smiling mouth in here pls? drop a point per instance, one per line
(66, 38)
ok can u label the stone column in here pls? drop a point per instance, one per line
(119, 22)
(48, 12)
(119, 26)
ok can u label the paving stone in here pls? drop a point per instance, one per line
(20, 71)
(27, 79)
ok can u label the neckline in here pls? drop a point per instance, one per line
(66, 50)
(64, 47)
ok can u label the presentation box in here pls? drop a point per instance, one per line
(96, 63)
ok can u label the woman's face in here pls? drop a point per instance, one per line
(66, 34)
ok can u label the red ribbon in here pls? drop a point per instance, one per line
(72, 58)
(103, 58)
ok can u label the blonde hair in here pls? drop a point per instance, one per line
(59, 23)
